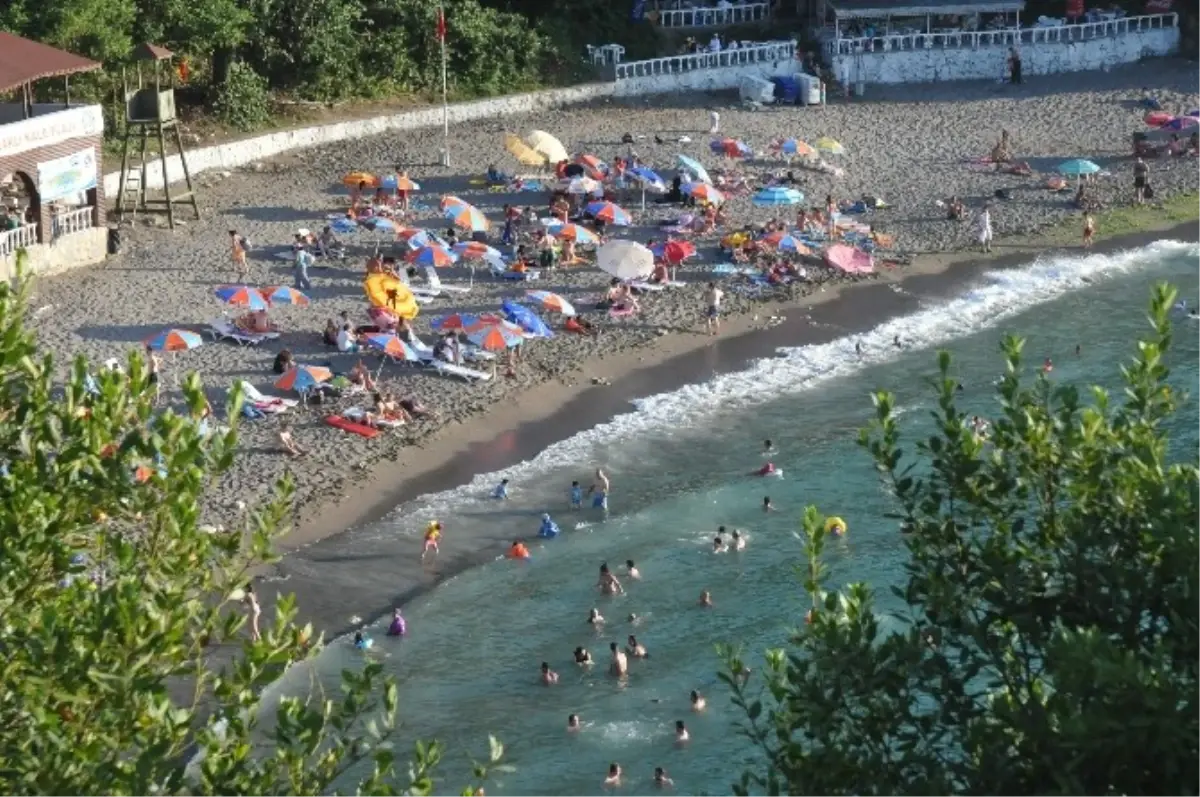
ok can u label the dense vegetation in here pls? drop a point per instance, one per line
(1050, 633)
(124, 639)
(333, 49)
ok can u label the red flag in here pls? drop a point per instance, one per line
(441, 25)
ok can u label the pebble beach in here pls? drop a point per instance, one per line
(908, 145)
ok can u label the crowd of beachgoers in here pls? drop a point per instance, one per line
(907, 173)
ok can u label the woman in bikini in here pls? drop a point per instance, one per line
(239, 255)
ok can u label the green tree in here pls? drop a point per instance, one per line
(1050, 643)
(113, 600)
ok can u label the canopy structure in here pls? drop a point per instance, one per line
(23, 61)
(878, 9)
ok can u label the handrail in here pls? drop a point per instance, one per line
(1008, 37)
(713, 17)
(71, 221)
(742, 56)
(21, 237)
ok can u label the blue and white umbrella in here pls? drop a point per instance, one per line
(647, 178)
(694, 168)
(777, 195)
(1078, 167)
(426, 238)
(343, 225)
(526, 319)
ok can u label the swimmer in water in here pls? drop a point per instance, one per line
(767, 505)
(608, 583)
(739, 542)
(1078, 350)
(595, 618)
(635, 649)
(576, 496)
(620, 663)
(549, 676)
(582, 657)
(768, 469)
(573, 722)
(614, 776)
(896, 342)
(719, 545)
(681, 732)
(433, 534)
(1047, 366)
(599, 490)
(501, 491)
(698, 701)
(631, 570)
(768, 448)
(858, 348)
(660, 778)
(633, 619)
(706, 599)
(359, 642)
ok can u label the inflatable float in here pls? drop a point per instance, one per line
(835, 526)
(387, 291)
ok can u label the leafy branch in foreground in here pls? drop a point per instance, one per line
(1051, 590)
(115, 604)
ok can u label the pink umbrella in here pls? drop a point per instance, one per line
(849, 259)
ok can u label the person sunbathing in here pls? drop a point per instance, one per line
(329, 335)
(283, 361)
(416, 409)
(955, 209)
(1022, 169)
(360, 375)
(329, 244)
(255, 322)
(661, 274)
(289, 443)
(1002, 152)
(580, 326)
(385, 411)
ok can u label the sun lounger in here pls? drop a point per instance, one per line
(260, 400)
(224, 329)
(359, 415)
(461, 371)
(469, 353)
(338, 422)
(654, 287)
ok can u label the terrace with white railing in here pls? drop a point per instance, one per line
(71, 221)
(742, 14)
(20, 238)
(1010, 37)
(743, 55)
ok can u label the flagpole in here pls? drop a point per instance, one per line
(445, 101)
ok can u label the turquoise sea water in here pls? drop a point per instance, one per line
(681, 467)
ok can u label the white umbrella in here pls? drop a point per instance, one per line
(625, 260)
(545, 144)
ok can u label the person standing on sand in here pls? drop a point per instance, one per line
(712, 311)
(1014, 66)
(304, 259)
(239, 255)
(1089, 229)
(984, 223)
(714, 122)
(1140, 173)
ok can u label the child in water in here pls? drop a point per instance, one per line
(501, 491)
(576, 496)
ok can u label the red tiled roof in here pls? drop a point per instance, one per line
(23, 61)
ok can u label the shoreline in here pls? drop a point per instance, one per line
(556, 410)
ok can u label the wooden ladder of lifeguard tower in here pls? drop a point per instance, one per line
(150, 116)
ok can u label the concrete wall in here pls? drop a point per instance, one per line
(990, 63)
(703, 79)
(239, 153)
(81, 248)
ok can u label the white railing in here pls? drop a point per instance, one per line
(21, 237)
(742, 56)
(70, 221)
(1000, 38)
(714, 17)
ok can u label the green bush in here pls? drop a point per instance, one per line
(243, 101)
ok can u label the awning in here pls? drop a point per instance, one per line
(24, 61)
(877, 9)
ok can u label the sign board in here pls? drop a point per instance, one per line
(1159, 6)
(63, 177)
(50, 125)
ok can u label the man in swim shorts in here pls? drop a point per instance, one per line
(712, 313)
(599, 490)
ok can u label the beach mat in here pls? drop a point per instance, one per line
(338, 422)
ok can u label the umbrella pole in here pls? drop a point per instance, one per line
(643, 200)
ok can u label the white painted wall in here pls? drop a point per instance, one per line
(991, 63)
(729, 77)
(239, 153)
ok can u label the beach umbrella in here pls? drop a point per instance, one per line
(827, 144)
(796, 148)
(625, 260)
(431, 256)
(573, 232)
(582, 185)
(545, 144)
(343, 225)
(849, 259)
(730, 148)
(379, 224)
(648, 178)
(530, 322)
(302, 378)
(609, 213)
(1078, 167)
(419, 238)
(285, 294)
(496, 336)
(704, 192)
(525, 155)
(552, 302)
(1156, 118)
(355, 179)
(242, 296)
(461, 321)
(392, 346)
(468, 217)
(403, 182)
(694, 168)
(593, 166)
(786, 242)
(174, 340)
(673, 252)
(449, 200)
(474, 250)
(777, 195)
(1181, 123)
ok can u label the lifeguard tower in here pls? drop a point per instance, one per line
(150, 116)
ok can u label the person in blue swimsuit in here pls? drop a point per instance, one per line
(576, 495)
(599, 490)
(501, 491)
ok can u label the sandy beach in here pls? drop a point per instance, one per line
(908, 146)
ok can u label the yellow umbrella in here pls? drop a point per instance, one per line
(548, 145)
(830, 145)
(522, 152)
(353, 179)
